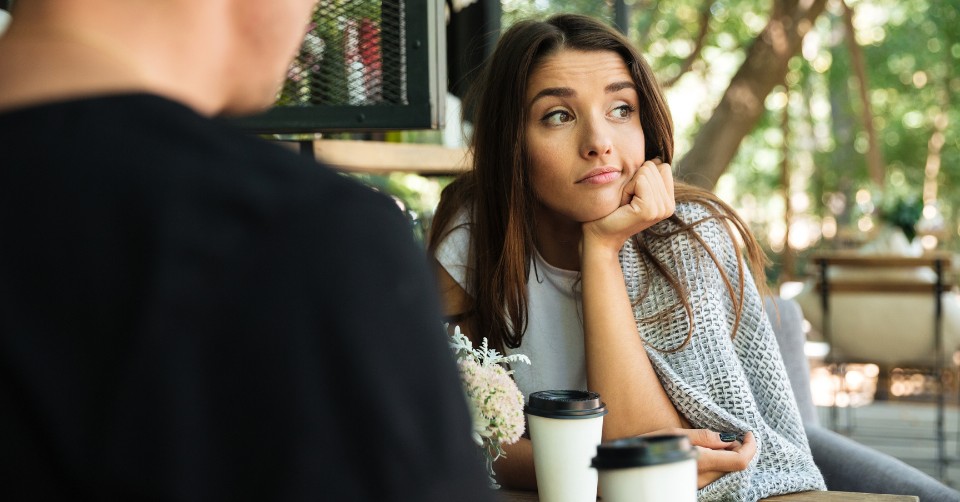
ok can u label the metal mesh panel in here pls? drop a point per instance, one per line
(353, 54)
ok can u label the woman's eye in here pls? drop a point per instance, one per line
(557, 117)
(623, 111)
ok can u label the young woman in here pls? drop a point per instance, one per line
(570, 242)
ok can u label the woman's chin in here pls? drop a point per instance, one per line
(609, 205)
(598, 213)
(584, 212)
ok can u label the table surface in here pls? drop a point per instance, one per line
(521, 496)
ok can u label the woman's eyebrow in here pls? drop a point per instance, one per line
(618, 86)
(567, 92)
(560, 92)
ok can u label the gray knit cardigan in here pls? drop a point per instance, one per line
(719, 381)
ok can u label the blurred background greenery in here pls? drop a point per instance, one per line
(843, 145)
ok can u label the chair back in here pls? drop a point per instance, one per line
(787, 320)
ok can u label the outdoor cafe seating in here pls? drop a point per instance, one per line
(891, 311)
(852, 471)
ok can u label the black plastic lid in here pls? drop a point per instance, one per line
(565, 404)
(643, 451)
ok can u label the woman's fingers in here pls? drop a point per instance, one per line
(647, 199)
(708, 439)
(705, 438)
(666, 174)
(712, 464)
(715, 457)
(734, 459)
(630, 187)
(652, 188)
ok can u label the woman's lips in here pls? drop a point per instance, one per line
(600, 176)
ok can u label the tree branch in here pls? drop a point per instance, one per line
(705, 15)
(644, 34)
(741, 106)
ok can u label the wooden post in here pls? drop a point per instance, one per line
(787, 256)
(874, 156)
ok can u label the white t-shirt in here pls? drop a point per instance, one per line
(554, 336)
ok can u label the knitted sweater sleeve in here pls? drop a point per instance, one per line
(719, 380)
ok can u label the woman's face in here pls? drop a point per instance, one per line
(583, 135)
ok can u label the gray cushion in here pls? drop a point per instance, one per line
(787, 320)
(849, 466)
(846, 465)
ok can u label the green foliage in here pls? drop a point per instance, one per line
(911, 71)
(516, 10)
(417, 196)
(911, 51)
(903, 213)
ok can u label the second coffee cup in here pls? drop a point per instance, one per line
(565, 429)
(648, 469)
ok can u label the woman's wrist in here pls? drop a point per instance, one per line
(594, 247)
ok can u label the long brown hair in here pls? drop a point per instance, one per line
(499, 197)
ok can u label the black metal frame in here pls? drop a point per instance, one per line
(426, 88)
(938, 265)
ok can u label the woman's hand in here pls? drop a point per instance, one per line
(647, 199)
(716, 457)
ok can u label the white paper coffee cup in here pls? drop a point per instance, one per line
(648, 469)
(565, 428)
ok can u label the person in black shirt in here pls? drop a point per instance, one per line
(189, 313)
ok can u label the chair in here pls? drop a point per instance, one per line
(887, 310)
(846, 465)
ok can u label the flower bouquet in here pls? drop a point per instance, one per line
(496, 403)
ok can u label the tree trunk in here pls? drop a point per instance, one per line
(940, 125)
(874, 156)
(788, 259)
(743, 102)
(934, 147)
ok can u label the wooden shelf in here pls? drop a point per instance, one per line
(378, 157)
(882, 284)
(848, 259)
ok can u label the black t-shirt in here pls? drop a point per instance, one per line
(188, 313)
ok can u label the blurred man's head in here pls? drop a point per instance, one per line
(268, 35)
(217, 56)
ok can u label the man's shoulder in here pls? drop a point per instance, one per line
(164, 153)
(265, 168)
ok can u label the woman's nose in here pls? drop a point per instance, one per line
(595, 139)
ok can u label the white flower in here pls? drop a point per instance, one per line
(484, 355)
(496, 404)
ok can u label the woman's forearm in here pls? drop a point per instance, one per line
(617, 364)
